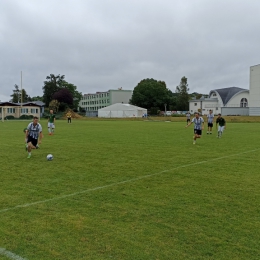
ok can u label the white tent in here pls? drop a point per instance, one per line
(121, 110)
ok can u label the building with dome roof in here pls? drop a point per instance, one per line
(232, 100)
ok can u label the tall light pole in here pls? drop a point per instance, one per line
(165, 105)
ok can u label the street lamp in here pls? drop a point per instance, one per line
(165, 105)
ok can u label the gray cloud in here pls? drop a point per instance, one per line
(101, 45)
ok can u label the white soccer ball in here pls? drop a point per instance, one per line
(49, 157)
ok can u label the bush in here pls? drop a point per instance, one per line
(9, 117)
(26, 117)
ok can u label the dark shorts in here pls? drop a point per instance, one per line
(210, 124)
(188, 120)
(32, 140)
(197, 132)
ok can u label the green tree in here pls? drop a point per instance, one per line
(77, 96)
(51, 86)
(19, 96)
(150, 93)
(16, 96)
(183, 96)
(37, 98)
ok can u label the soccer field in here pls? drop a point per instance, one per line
(130, 190)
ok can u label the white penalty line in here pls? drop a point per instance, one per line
(121, 182)
(10, 255)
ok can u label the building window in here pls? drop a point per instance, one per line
(10, 110)
(243, 102)
(216, 108)
(195, 104)
(24, 110)
(34, 110)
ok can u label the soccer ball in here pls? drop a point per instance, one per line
(49, 157)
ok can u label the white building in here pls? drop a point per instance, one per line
(92, 102)
(254, 95)
(233, 100)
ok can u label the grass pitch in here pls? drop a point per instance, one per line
(130, 190)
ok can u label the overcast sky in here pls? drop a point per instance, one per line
(106, 44)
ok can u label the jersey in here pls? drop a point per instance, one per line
(197, 123)
(34, 130)
(68, 115)
(210, 118)
(188, 115)
(221, 121)
(51, 118)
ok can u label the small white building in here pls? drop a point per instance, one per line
(120, 110)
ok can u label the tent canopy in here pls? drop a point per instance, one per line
(122, 110)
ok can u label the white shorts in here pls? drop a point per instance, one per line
(51, 125)
(221, 128)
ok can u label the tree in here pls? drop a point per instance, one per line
(64, 96)
(54, 105)
(55, 83)
(37, 98)
(51, 86)
(77, 96)
(183, 96)
(19, 96)
(150, 93)
(16, 96)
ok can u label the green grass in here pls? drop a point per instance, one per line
(130, 190)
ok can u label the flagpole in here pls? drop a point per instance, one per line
(21, 92)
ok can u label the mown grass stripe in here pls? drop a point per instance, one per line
(122, 182)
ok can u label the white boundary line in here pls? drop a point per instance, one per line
(10, 255)
(121, 182)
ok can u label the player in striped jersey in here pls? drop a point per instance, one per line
(210, 118)
(198, 126)
(33, 132)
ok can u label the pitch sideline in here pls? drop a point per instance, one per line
(10, 255)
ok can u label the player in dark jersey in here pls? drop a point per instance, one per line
(220, 125)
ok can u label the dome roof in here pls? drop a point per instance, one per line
(227, 93)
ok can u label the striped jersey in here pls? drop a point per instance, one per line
(210, 118)
(197, 123)
(34, 130)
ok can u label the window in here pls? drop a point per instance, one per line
(191, 111)
(216, 108)
(243, 102)
(10, 110)
(24, 110)
(34, 110)
(195, 104)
